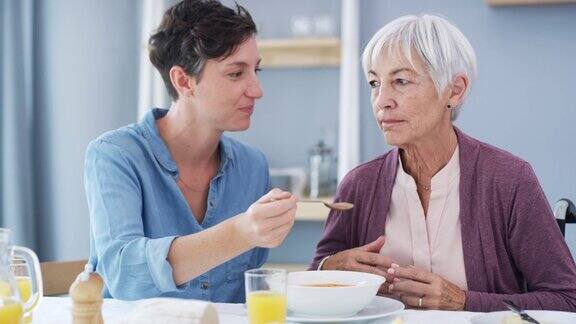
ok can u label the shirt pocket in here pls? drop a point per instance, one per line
(235, 268)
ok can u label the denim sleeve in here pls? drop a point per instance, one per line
(267, 181)
(132, 265)
(259, 257)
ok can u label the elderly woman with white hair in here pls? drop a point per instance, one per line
(452, 223)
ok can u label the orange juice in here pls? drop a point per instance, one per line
(10, 312)
(266, 307)
(25, 287)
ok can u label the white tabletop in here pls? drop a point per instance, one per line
(56, 310)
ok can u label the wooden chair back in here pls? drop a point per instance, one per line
(58, 276)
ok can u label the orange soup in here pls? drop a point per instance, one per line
(327, 285)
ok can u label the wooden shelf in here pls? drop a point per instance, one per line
(526, 2)
(299, 52)
(313, 211)
(290, 267)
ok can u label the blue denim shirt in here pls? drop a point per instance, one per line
(137, 210)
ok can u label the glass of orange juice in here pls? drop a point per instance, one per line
(266, 296)
(20, 270)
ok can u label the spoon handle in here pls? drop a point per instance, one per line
(311, 201)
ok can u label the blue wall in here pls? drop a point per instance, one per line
(299, 105)
(87, 83)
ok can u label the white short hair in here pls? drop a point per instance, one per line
(442, 47)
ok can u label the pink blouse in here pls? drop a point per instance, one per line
(433, 241)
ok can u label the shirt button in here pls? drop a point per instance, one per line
(204, 285)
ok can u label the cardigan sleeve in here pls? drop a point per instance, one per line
(539, 252)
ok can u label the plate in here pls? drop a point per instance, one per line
(378, 308)
(544, 317)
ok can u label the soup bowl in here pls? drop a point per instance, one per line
(329, 293)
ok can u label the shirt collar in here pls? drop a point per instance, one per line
(160, 149)
(226, 152)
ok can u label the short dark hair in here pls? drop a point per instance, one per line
(194, 31)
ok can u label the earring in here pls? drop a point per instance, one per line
(448, 106)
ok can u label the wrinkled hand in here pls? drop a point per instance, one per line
(366, 258)
(411, 284)
(268, 221)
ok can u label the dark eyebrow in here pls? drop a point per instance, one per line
(242, 63)
(239, 63)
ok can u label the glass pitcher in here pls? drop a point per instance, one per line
(322, 171)
(12, 309)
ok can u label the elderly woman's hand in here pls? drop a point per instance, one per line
(366, 258)
(422, 289)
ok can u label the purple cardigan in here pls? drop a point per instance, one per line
(512, 247)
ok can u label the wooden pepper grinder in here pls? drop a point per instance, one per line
(86, 294)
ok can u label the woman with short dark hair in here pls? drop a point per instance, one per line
(177, 208)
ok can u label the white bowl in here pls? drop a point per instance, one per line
(307, 301)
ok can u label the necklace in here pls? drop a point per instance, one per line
(181, 179)
(192, 189)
